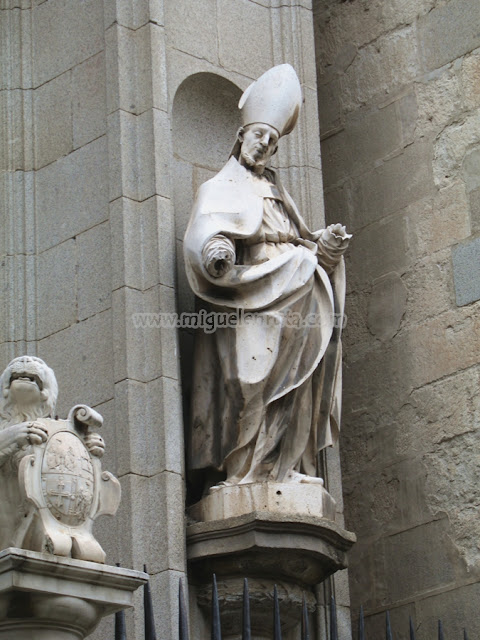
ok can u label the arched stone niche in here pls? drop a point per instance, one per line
(205, 119)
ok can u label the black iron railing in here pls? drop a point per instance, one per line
(216, 630)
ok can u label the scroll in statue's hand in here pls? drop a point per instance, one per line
(332, 244)
(218, 255)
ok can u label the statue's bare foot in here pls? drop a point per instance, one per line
(295, 476)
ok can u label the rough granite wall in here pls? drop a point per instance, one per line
(399, 103)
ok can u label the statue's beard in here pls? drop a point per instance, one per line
(252, 162)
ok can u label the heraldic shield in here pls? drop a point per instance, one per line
(65, 490)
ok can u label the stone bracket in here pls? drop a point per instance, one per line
(305, 549)
(46, 597)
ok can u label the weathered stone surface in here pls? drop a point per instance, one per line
(94, 280)
(395, 183)
(141, 408)
(430, 289)
(394, 496)
(437, 223)
(449, 336)
(89, 100)
(205, 120)
(53, 120)
(451, 147)
(153, 506)
(136, 229)
(470, 78)
(74, 32)
(71, 194)
(90, 341)
(453, 479)
(390, 63)
(366, 567)
(57, 292)
(437, 413)
(424, 548)
(183, 195)
(386, 244)
(274, 497)
(447, 32)
(129, 65)
(168, 338)
(333, 480)
(474, 201)
(133, 14)
(133, 141)
(387, 305)
(138, 350)
(244, 21)
(373, 135)
(439, 99)
(466, 271)
(458, 611)
(199, 35)
(330, 108)
(471, 170)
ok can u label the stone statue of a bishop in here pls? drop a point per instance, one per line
(267, 382)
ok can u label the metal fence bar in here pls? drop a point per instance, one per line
(216, 627)
(246, 626)
(120, 626)
(277, 627)
(388, 633)
(216, 632)
(333, 620)
(150, 633)
(412, 630)
(361, 625)
(440, 630)
(182, 614)
(305, 625)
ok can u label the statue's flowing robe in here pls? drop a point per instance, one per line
(266, 393)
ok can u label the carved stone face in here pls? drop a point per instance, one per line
(259, 143)
(28, 388)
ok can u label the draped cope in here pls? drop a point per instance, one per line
(267, 393)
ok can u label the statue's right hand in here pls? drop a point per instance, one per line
(23, 434)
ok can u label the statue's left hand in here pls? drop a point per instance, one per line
(335, 236)
(95, 444)
(332, 244)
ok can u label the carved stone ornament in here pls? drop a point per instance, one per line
(267, 382)
(51, 474)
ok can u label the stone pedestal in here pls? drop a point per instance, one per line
(45, 597)
(271, 533)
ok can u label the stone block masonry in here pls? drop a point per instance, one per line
(399, 113)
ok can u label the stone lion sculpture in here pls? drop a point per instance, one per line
(50, 471)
